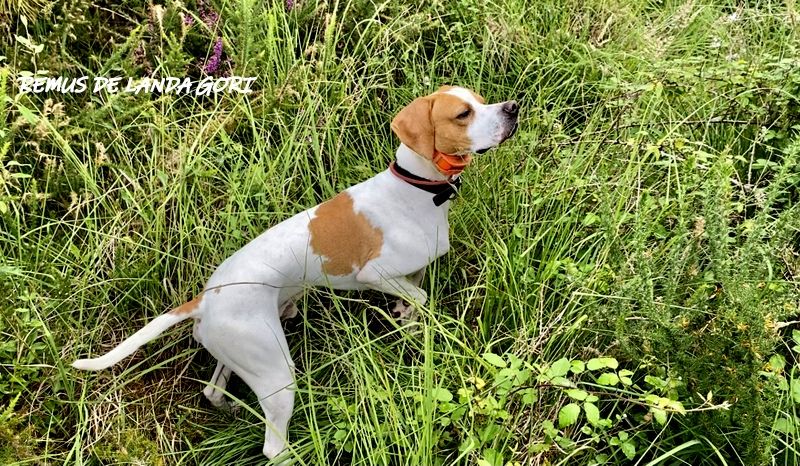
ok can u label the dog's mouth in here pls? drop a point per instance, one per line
(511, 131)
(504, 138)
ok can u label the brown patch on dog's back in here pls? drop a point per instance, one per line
(343, 237)
(187, 307)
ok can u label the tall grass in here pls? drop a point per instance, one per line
(647, 210)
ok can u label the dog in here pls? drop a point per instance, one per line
(380, 234)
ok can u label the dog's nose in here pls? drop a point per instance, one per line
(511, 107)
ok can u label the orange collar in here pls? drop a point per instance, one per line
(450, 165)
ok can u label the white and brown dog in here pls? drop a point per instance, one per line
(379, 234)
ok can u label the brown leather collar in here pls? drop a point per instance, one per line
(443, 190)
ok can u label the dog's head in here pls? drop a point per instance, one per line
(454, 121)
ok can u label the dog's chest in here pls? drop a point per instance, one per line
(409, 221)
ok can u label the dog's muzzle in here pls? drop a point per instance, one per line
(510, 113)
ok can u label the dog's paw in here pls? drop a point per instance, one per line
(289, 311)
(275, 450)
(231, 409)
(405, 312)
(218, 400)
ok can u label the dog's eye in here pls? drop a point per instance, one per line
(464, 114)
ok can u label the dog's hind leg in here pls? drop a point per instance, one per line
(277, 401)
(244, 333)
(269, 371)
(254, 347)
(215, 390)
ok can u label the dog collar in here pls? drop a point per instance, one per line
(449, 164)
(443, 190)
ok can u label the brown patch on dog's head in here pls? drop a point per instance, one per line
(343, 237)
(187, 307)
(438, 121)
(451, 116)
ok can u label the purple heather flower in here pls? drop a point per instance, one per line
(208, 14)
(213, 62)
(289, 5)
(210, 17)
(188, 20)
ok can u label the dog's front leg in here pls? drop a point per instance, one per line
(401, 286)
(404, 311)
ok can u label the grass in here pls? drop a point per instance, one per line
(647, 210)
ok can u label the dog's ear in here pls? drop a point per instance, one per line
(414, 127)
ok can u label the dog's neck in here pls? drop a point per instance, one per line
(417, 164)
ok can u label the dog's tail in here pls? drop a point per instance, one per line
(150, 331)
